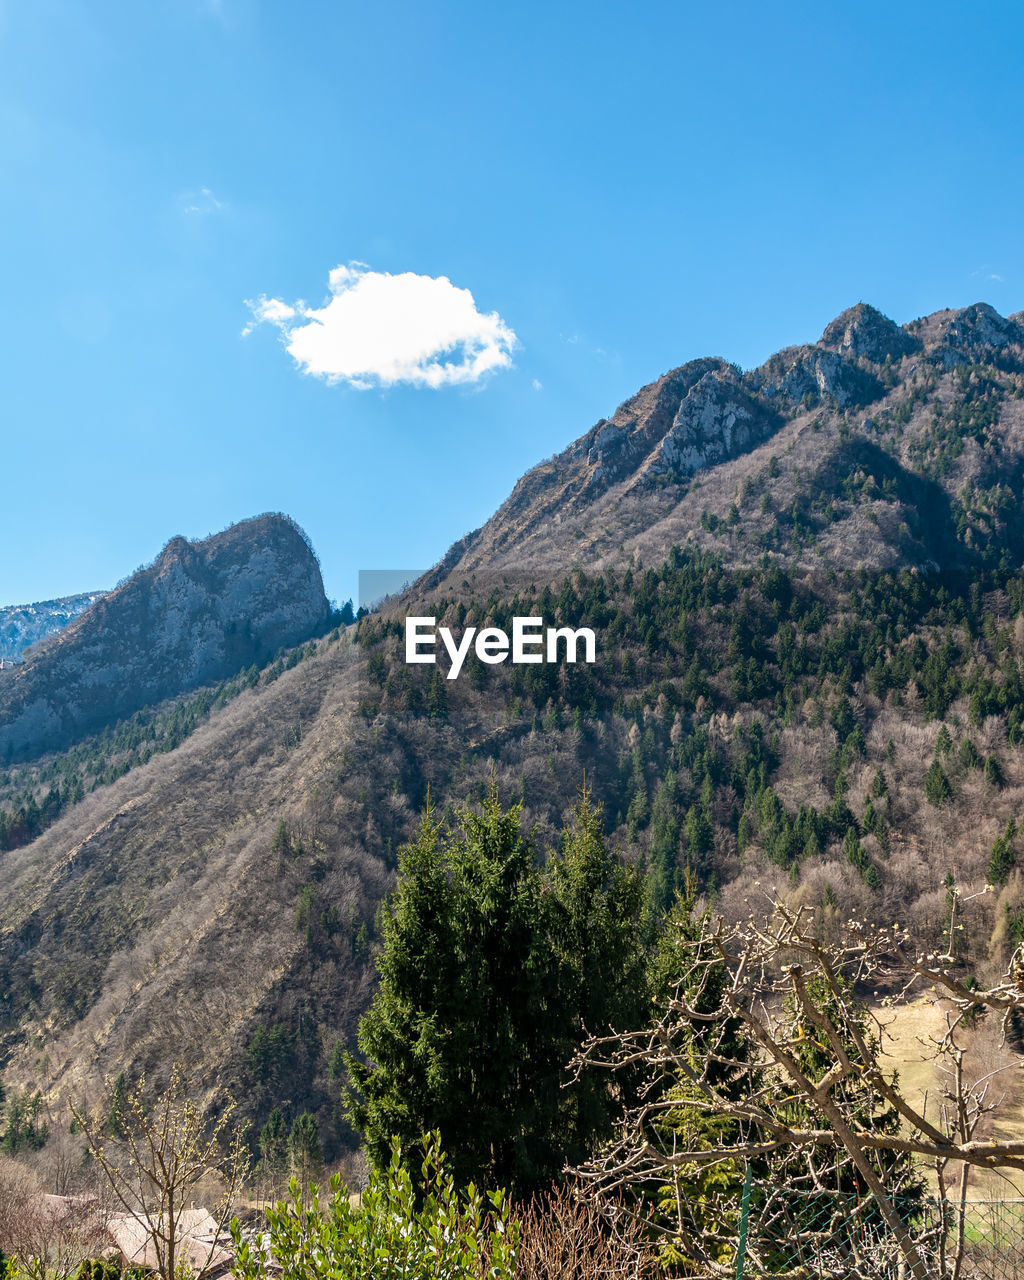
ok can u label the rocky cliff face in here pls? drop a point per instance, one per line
(974, 335)
(199, 613)
(24, 624)
(716, 420)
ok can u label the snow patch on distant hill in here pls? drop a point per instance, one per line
(24, 624)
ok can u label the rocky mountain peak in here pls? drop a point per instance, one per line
(199, 613)
(616, 447)
(802, 377)
(973, 334)
(654, 406)
(862, 332)
(716, 419)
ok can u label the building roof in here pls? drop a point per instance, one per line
(198, 1241)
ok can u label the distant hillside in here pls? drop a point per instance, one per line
(199, 613)
(24, 624)
(810, 619)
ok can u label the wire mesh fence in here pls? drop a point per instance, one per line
(838, 1236)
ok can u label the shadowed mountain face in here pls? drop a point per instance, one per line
(937, 396)
(200, 612)
(755, 716)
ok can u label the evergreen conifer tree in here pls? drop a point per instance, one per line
(1002, 861)
(936, 785)
(304, 1148)
(281, 845)
(273, 1142)
(598, 925)
(437, 696)
(490, 972)
(456, 1033)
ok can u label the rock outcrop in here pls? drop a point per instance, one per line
(717, 419)
(976, 334)
(864, 333)
(804, 377)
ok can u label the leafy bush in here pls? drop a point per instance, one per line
(399, 1228)
(99, 1269)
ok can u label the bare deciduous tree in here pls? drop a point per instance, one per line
(19, 1190)
(808, 1104)
(48, 1234)
(164, 1150)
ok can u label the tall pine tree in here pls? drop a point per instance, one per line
(599, 930)
(490, 971)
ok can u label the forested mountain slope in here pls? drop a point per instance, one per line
(809, 674)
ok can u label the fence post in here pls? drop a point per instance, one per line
(741, 1249)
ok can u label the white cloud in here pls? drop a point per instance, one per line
(201, 201)
(378, 329)
(271, 311)
(538, 385)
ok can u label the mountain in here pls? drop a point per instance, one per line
(806, 582)
(926, 416)
(22, 625)
(201, 611)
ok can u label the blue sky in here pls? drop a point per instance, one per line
(619, 188)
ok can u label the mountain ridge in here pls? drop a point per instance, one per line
(706, 413)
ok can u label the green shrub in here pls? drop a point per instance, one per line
(98, 1269)
(400, 1228)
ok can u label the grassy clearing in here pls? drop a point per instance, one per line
(909, 1034)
